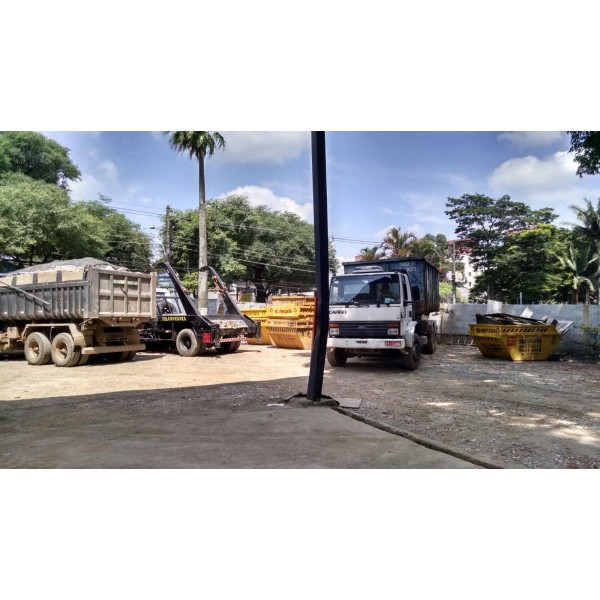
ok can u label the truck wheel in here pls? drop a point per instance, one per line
(83, 360)
(412, 360)
(64, 353)
(430, 346)
(187, 343)
(37, 349)
(337, 357)
(228, 347)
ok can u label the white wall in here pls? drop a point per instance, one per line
(454, 319)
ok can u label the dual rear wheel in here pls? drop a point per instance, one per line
(39, 350)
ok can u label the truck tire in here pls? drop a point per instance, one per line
(431, 345)
(412, 360)
(337, 357)
(64, 353)
(187, 343)
(228, 347)
(38, 349)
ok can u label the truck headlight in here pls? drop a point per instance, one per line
(392, 329)
(334, 329)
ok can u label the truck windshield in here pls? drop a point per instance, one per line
(365, 289)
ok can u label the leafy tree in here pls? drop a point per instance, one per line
(126, 243)
(589, 217)
(583, 267)
(435, 249)
(370, 253)
(396, 243)
(586, 147)
(37, 157)
(272, 250)
(199, 145)
(485, 224)
(39, 224)
(527, 266)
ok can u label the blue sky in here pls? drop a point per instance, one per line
(375, 179)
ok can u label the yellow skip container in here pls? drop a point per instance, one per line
(515, 342)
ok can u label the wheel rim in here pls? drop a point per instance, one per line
(61, 349)
(35, 349)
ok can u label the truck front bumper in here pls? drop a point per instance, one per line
(366, 343)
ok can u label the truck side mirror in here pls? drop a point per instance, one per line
(415, 292)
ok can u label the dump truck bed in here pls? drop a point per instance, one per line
(113, 296)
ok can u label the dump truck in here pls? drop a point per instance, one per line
(67, 311)
(179, 324)
(380, 308)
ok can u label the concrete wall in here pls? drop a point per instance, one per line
(453, 321)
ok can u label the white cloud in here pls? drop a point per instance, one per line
(548, 182)
(260, 196)
(528, 139)
(110, 170)
(533, 175)
(263, 146)
(88, 187)
(416, 229)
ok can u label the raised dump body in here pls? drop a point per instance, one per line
(75, 309)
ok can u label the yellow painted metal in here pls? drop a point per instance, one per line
(515, 342)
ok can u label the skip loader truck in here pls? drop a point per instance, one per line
(179, 324)
(380, 309)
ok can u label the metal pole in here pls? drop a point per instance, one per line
(168, 234)
(317, 357)
(453, 273)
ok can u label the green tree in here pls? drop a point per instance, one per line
(396, 243)
(435, 249)
(39, 224)
(485, 224)
(527, 266)
(370, 253)
(270, 249)
(589, 217)
(37, 157)
(583, 267)
(586, 147)
(199, 145)
(126, 243)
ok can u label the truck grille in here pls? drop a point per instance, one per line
(368, 329)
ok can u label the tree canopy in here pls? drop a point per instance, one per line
(273, 250)
(586, 147)
(484, 223)
(37, 157)
(40, 223)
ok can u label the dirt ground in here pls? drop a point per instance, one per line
(518, 415)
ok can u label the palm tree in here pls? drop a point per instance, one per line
(397, 243)
(199, 144)
(583, 268)
(589, 217)
(370, 253)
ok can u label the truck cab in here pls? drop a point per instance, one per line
(372, 313)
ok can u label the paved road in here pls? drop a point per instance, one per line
(88, 433)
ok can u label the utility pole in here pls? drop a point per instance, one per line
(317, 357)
(453, 273)
(168, 234)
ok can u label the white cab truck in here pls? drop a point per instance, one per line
(381, 308)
